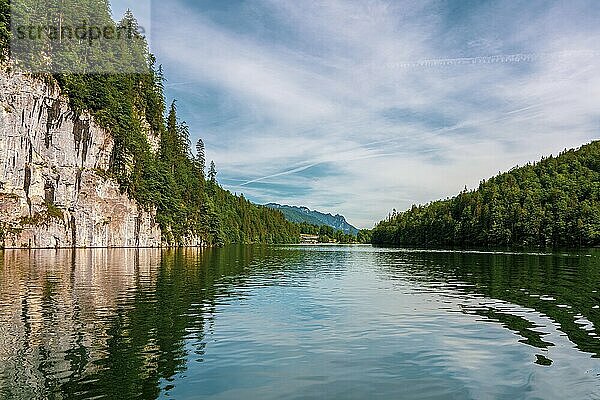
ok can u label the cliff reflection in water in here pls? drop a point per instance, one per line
(104, 322)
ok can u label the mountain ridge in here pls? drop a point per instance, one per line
(299, 214)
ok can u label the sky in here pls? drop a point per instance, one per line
(361, 107)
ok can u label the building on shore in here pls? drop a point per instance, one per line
(309, 239)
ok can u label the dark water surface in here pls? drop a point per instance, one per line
(331, 322)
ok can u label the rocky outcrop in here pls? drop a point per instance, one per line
(54, 189)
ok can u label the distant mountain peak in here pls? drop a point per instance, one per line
(300, 214)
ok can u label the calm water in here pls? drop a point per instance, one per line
(299, 323)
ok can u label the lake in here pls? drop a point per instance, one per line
(299, 322)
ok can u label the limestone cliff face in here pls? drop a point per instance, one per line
(53, 188)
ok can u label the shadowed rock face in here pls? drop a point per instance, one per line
(52, 190)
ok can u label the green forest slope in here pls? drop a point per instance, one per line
(173, 179)
(552, 203)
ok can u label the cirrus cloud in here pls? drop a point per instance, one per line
(359, 107)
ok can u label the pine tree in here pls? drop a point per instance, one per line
(168, 138)
(212, 172)
(200, 156)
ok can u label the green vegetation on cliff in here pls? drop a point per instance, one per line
(4, 28)
(555, 202)
(132, 107)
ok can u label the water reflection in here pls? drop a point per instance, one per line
(108, 323)
(292, 322)
(561, 287)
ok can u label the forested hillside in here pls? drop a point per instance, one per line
(555, 202)
(171, 178)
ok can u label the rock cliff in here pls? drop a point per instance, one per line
(54, 190)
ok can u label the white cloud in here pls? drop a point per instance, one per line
(338, 112)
